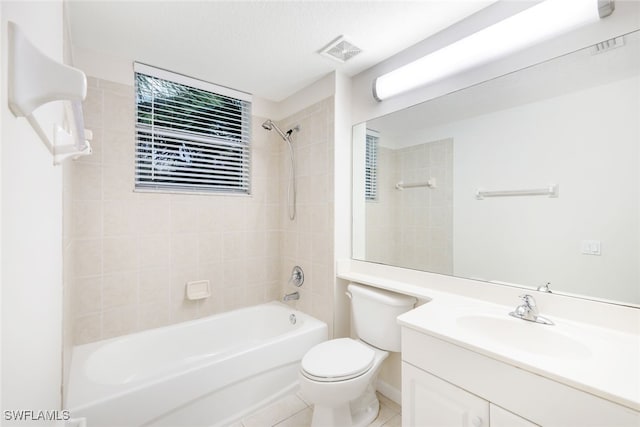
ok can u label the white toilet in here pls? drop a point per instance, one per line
(338, 376)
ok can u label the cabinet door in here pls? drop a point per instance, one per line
(428, 401)
(503, 418)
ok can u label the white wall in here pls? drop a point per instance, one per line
(31, 230)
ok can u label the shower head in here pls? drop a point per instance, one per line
(269, 125)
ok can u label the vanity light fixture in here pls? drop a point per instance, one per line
(543, 21)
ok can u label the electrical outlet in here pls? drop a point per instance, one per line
(591, 247)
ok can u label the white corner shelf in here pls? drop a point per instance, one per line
(34, 80)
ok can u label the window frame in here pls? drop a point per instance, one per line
(371, 165)
(211, 144)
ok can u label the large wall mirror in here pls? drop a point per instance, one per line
(527, 179)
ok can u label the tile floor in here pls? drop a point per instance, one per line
(293, 411)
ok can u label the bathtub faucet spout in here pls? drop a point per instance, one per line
(291, 296)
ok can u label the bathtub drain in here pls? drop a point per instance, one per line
(292, 319)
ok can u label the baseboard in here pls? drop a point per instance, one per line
(389, 391)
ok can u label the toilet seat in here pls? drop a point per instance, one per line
(337, 360)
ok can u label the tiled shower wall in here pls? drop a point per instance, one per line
(307, 241)
(132, 252)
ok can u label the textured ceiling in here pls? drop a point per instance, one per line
(268, 48)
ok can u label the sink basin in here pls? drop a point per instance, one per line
(543, 340)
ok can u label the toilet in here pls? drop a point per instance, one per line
(338, 376)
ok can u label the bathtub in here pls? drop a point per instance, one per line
(206, 372)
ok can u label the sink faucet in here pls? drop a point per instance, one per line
(291, 296)
(528, 310)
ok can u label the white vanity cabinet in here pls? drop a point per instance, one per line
(447, 385)
(431, 401)
(502, 418)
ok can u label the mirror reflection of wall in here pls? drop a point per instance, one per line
(411, 221)
(572, 122)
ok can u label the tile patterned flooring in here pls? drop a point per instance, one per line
(293, 411)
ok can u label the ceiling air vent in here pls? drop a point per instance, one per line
(340, 50)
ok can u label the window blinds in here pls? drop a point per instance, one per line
(191, 136)
(371, 166)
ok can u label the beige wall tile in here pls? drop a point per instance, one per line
(87, 257)
(182, 311)
(154, 251)
(153, 216)
(87, 296)
(119, 111)
(154, 285)
(87, 182)
(118, 182)
(119, 321)
(87, 219)
(184, 251)
(120, 254)
(87, 329)
(210, 248)
(235, 245)
(118, 147)
(120, 218)
(93, 108)
(185, 217)
(119, 290)
(154, 315)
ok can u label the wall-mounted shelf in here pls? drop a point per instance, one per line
(34, 80)
(550, 191)
(430, 183)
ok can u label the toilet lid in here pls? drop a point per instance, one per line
(337, 360)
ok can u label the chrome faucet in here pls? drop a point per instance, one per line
(544, 288)
(291, 296)
(528, 310)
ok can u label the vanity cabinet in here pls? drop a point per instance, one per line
(448, 385)
(502, 418)
(431, 401)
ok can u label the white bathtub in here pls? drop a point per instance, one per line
(206, 372)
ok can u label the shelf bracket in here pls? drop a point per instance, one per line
(34, 80)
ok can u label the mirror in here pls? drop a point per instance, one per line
(527, 179)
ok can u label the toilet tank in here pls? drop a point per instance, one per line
(374, 312)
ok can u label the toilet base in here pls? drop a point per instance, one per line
(358, 413)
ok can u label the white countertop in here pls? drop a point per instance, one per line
(593, 347)
(599, 361)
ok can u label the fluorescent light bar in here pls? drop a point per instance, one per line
(527, 28)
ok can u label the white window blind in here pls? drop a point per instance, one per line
(191, 136)
(371, 166)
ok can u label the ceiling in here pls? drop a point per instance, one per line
(267, 48)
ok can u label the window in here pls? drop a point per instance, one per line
(191, 136)
(371, 166)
